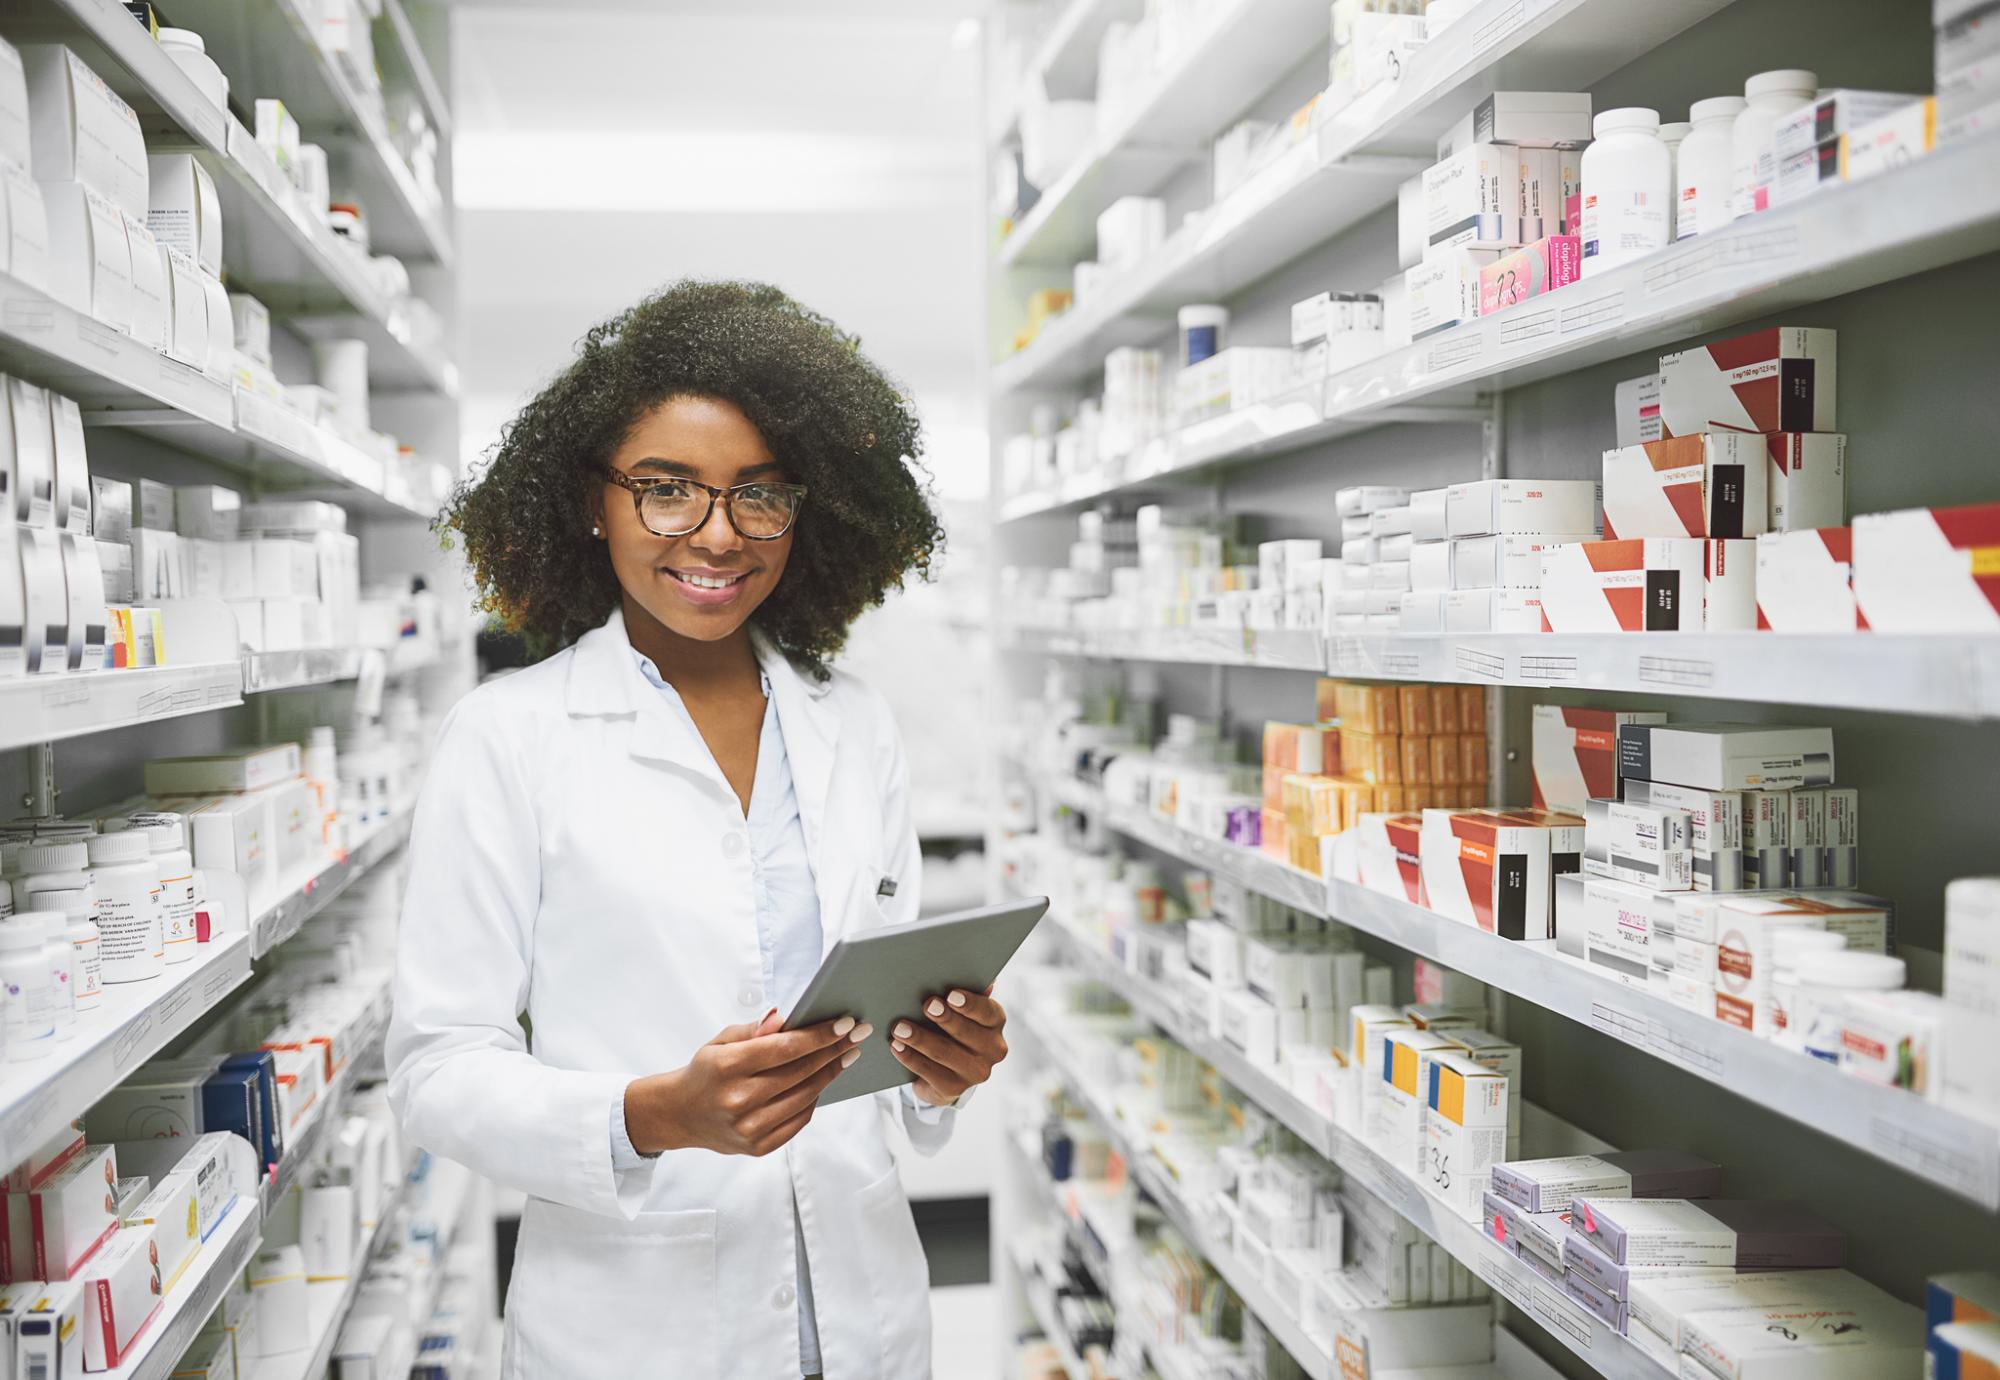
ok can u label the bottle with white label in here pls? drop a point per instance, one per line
(86, 962)
(26, 989)
(128, 906)
(1702, 166)
(1628, 182)
(1753, 167)
(167, 834)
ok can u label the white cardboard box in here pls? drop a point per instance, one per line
(1805, 581)
(184, 212)
(1705, 484)
(1443, 290)
(1494, 610)
(1929, 569)
(1521, 505)
(1504, 561)
(1727, 757)
(1778, 379)
(1531, 119)
(1487, 870)
(15, 138)
(26, 239)
(1808, 479)
(90, 264)
(121, 1293)
(82, 130)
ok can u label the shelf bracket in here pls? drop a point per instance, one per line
(1493, 465)
(1493, 438)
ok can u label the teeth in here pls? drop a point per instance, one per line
(710, 581)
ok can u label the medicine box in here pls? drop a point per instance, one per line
(1401, 1093)
(1746, 1234)
(1443, 290)
(1807, 479)
(1716, 834)
(1619, 921)
(121, 1293)
(1575, 753)
(47, 1159)
(1512, 561)
(52, 1230)
(81, 130)
(1726, 757)
(173, 1211)
(1543, 265)
(48, 1331)
(1707, 484)
(278, 1289)
(1535, 119)
(222, 1165)
(1472, 199)
(1465, 1126)
(1805, 581)
(185, 214)
(1487, 870)
(1549, 1185)
(1834, 1341)
(1390, 854)
(1649, 846)
(1928, 569)
(90, 259)
(247, 770)
(1779, 379)
(1521, 505)
(1830, 115)
(1651, 584)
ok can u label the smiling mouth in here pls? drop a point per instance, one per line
(710, 581)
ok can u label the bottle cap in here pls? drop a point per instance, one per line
(1717, 108)
(66, 856)
(1625, 117)
(109, 850)
(1785, 81)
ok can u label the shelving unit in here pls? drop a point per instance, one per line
(50, 708)
(186, 1310)
(322, 883)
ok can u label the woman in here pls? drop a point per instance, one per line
(630, 858)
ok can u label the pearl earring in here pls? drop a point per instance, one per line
(594, 532)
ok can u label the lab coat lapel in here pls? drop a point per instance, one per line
(605, 680)
(812, 735)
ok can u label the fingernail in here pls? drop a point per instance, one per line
(843, 1025)
(902, 1030)
(849, 1057)
(956, 998)
(936, 1008)
(861, 1032)
(896, 1045)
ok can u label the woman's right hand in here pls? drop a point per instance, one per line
(746, 1092)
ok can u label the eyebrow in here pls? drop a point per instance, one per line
(655, 465)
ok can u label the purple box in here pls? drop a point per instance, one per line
(1549, 1185)
(1605, 1306)
(1536, 1237)
(1746, 1234)
(1581, 1260)
(1245, 826)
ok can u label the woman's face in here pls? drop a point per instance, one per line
(704, 585)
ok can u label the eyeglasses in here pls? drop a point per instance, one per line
(674, 506)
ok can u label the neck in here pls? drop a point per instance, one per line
(688, 663)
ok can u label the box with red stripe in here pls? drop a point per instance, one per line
(1487, 869)
(1780, 379)
(1929, 569)
(1649, 584)
(1710, 484)
(1805, 581)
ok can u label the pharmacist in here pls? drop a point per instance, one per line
(630, 858)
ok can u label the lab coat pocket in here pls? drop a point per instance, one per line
(898, 1275)
(640, 1297)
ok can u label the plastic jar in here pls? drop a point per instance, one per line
(86, 974)
(1752, 165)
(60, 955)
(179, 893)
(1628, 182)
(128, 906)
(1788, 946)
(190, 54)
(1202, 327)
(52, 865)
(1703, 166)
(1824, 978)
(26, 988)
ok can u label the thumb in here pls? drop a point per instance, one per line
(736, 1034)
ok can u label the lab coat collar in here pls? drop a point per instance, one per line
(812, 731)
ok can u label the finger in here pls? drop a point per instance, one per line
(772, 1083)
(736, 1034)
(985, 1040)
(771, 1051)
(977, 1007)
(940, 1049)
(782, 1135)
(929, 1070)
(800, 1098)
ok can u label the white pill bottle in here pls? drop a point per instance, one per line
(1628, 184)
(128, 906)
(1767, 97)
(1703, 167)
(26, 989)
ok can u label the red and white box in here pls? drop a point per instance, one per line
(52, 1230)
(1521, 505)
(1729, 585)
(1391, 855)
(1709, 484)
(1650, 584)
(1805, 581)
(1779, 379)
(121, 1294)
(1488, 870)
(1533, 269)
(1575, 753)
(1493, 610)
(1808, 479)
(1929, 569)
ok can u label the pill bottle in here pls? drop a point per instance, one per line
(51, 865)
(1788, 945)
(128, 906)
(1671, 135)
(179, 894)
(26, 988)
(1753, 167)
(1628, 182)
(1825, 978)
(190, 54)
(60, 955)
(86, 974)
(1703, 166)
(1202, 328)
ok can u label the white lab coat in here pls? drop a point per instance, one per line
(578, 856)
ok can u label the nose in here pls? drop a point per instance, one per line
(718, 534)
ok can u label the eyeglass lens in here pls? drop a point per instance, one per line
(672, 509)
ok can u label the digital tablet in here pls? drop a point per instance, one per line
(884, 975)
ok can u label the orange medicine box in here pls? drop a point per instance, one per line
(1414, 704)
(1372, 757)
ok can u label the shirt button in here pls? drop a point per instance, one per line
(786, 1296)
(747, 997)
(732, 845)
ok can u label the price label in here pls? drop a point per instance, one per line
(1676, 670)
(1581, 317)
(1481, 665)
(1548, 670)
(1526, 327)
(1455, 351)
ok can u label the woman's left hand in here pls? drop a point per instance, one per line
(966, 1037)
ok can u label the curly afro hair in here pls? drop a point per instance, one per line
(833, 419)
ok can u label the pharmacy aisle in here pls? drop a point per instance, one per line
(227, 414)
(1491, 498)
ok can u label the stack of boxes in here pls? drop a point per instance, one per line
(1967, 70)
(1492, 222)
(1477, 562)
(1962, 1320)
(1332, 331)
(1375, 542)
(53, 607)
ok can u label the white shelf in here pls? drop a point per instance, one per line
(1599, 1347)
(268, 47)
(42, 709)
(293, 670)
(407, 53)
(1922, 1139)
(135, 1021)
(1066, 61)
(1248, 45)
(187, 1309)
(314, 888)
(1939, 675)
(1348, 168)
(103, 369)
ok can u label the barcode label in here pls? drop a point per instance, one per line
(1674, 670)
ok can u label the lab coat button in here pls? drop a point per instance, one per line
(732, 845)
(786, 1296)
(747, 997)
